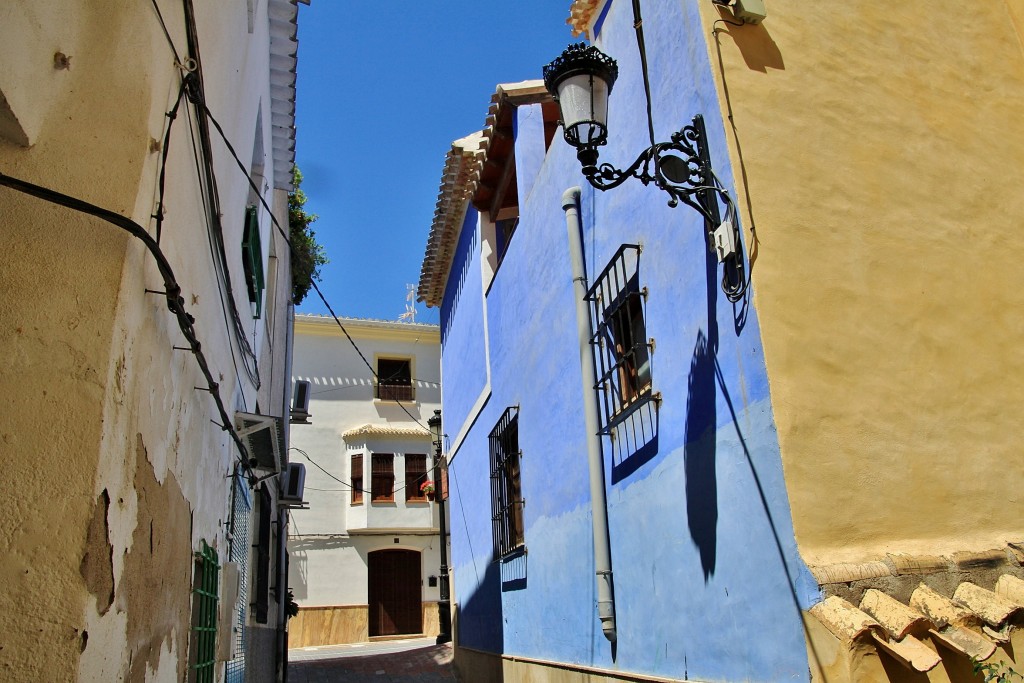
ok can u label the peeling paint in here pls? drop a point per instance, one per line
(154, 590)
(97, 566)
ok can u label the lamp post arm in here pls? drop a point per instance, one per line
(678, 167)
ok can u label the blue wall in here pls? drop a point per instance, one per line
(463, 356)
(708, 581)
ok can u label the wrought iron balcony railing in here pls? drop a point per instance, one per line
(387, 391)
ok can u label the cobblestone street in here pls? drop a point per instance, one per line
(418, 660)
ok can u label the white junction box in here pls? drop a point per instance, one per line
(724, 240)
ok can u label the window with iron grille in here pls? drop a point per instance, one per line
(239, 552)
(415, 475)
(204, 614)
(621, 348)
(357, 479)
(394, 379)
(506, 484)
(382, 486)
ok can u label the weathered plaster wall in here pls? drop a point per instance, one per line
(879, 165)
(59, 274)
(708, 582)
(115, 470)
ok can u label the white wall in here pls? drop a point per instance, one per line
(328, 543)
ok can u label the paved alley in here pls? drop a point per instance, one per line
(417, 660)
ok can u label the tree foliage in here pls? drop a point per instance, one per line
(307, 254)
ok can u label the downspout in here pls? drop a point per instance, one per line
(595, 455)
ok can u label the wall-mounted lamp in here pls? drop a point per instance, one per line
(580, 80)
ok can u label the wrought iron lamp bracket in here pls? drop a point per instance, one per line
(681, 167)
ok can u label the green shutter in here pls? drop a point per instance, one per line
(204, 620)
(252, 259)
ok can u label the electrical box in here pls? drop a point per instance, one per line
(749, 11)
(724, 240)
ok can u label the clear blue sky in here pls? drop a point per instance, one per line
(384, 87)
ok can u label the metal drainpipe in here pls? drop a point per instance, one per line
(595, 455)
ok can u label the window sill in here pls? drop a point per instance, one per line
(384, 503)
(418, 502)
(391, 401)
(357, 504)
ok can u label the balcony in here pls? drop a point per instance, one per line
(393, 391)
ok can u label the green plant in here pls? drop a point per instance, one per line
(307, 254)
(997, 673)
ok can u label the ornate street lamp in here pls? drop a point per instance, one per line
(580, 80)
(444, 603)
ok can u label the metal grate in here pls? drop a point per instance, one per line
(622, 356)
(387, 391)
(506, 484)
(204, 618)
(241, 513)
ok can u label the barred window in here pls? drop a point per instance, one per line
(394, 379)
(382, 487)
(506, 485)
(415, 475)
(621, 348)
(204, 614)
(357, 478)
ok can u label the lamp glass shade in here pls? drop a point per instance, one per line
(580, 79)
(583, 100)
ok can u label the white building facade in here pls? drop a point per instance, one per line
(365, 557)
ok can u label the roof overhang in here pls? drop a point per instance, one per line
(284, 47)
(475, 169)
(583, 15)
(375, 431)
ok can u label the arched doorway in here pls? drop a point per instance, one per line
(395, 592)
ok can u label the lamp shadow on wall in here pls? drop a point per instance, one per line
(700, 449)
(700, 454)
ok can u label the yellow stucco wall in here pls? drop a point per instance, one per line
(878, 154)
(59, 277)
(114, 472)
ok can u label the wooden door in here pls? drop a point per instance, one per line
(395, 592)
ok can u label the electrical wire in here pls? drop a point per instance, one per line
(175, 302)
(196, 95)
(286, 237)
(171, 115)
(216, 262)
(167, 34)
(638, 25)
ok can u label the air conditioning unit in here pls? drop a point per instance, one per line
(230, 582)
(300, 403)
(263, 436)
(293, 483)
